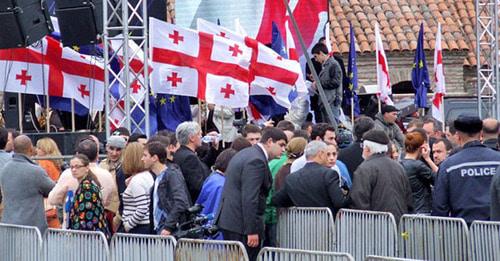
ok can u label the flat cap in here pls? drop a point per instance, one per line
(376, 136)
(116, 141)
(388, 108)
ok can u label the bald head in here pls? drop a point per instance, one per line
(23, 145)
(490, 128)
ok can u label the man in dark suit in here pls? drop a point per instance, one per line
(194, 169)
(314, 185)
(352, 155)
(248, 181)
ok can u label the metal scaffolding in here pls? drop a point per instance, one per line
(126, 21)
(488, 73)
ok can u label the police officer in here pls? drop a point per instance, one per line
(463, 184)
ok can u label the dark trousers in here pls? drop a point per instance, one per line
(252, 252)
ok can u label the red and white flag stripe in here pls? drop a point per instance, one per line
(440, 88)
(383, 79)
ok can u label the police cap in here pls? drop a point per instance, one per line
(468, 124)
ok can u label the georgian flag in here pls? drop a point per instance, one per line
(292, 55)
(270, 74)
(383, 79)
(137, 89)
(190, 63)
(440, 88)
(62, 71)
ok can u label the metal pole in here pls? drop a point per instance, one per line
(73, 125)
(352, 110)
(107, 107)
(20, 111)
(126, 65)
(47, 115)
(309, 63)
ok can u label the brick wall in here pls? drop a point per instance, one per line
(400, 66)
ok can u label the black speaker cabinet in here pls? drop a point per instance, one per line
(80, 21)
(66, 141)
(23, 22)
(11, 113)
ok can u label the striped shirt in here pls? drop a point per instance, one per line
(136, 200)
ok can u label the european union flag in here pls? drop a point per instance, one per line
(419, 73)
(172, 110)
(352, 73)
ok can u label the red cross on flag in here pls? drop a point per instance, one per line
(137, 89)
(440, 89)
(62, 71)
(267, 69)
(383, 79)
(197, 64)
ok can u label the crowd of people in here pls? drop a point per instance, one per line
(146, 185)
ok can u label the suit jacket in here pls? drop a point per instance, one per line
(312, 186)
(248, 181)
(193, 169)
(24, 185)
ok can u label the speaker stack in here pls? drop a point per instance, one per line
(23, 22)
(80, 21)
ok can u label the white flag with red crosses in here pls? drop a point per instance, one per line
(51, 69)
(190, 63)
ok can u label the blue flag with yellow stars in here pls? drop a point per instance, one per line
(420, 73)
(172, 110)
(352, 73)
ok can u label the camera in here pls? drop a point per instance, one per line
(197, 226)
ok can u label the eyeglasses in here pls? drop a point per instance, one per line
(76, 166)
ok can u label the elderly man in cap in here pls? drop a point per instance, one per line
(386, 121)
(464, 179)
(380, 183)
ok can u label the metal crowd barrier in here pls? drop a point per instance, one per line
(362, 233)
(485, 240)
(20, 243)
(387, 258)
(75, 245)
(197, 249)
(306, 228)
(434, 238)
(283, 254)
(131, 247)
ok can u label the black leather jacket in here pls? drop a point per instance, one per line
(421, 178)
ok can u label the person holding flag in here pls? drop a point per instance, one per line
(419, 73)
(331, 81)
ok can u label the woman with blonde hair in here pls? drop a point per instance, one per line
(48, 147)
(136, 197)
(294, 150)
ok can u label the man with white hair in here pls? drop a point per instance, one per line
(194, 169)
(380, 183)
(314, 185)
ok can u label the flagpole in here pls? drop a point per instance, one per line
(20, 111)
(199, 112)
(322, 94)
(442, 114)
(47, 115)
(352, 110)
(379, 104)
(73, 127)
(100, 121)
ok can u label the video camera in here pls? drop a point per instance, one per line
(197, 226)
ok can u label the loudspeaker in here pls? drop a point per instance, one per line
(66, 141)
(80, 21)
(11, 113)
(23, 22)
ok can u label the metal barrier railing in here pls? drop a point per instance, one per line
(433, 238)
(387, 258)
(75, 245)
(485, 240)
(284, 254)
(197, 249)
(362, 233)
(20, 243)
(306, 228)
(131, 247)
